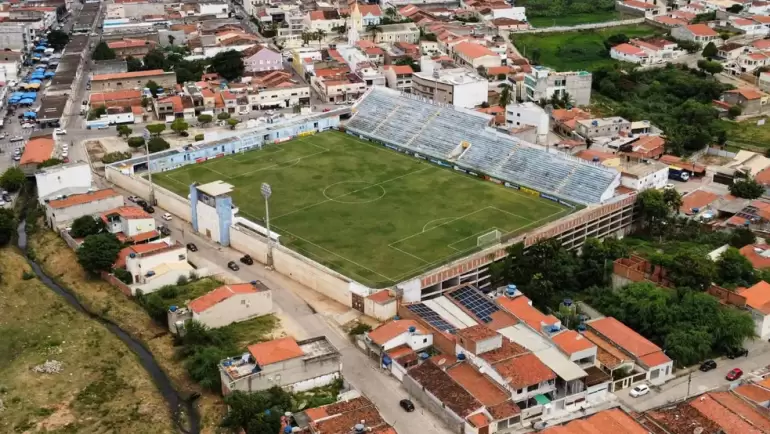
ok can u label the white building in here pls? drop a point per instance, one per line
(544, 83)
(10, 65)
(399, 77)
(700, 33)
(156, 264)
(643, 176)
(279, 97)
(458, 86)
(758, 303)
(400, 332)
(218, 9)
(401, 32)
(229, 304)
(130, 223)
(59, 212)
(629, 53)
(519, 115)
(326, 21)
(63, 179)
(748, 26)
(475, 55)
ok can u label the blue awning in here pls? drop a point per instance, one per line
(27, 101)
(30, 114)
(35, 81)
(40, 48)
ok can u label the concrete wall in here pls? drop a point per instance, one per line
(381, 312)
(323, 380)
(167, 200)
(454, 422)
(560, 29)
(237, 308)
(289, 372)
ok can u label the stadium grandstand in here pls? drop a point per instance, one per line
(464, 138)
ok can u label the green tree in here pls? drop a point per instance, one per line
(154, 87)
(740, 237)
(133, 64)
(205, 119)
(103, 52)
(688, 345)
(232, 123)
(85, 226)
(179, 125)
(145, 102)
(306, 37)
(747, 188)
(691, 269)
(155, 59)
(124, 131)
(710, 50)
(734, 111)
(735, 9)
(223, 116)
(50, 162)
(136, 142)
(156, 129)
(730, 329)
(98, 252)
(58, 39)
(614, 40)
(171, 39)
(653, 209)
(672, 199)
(710, 67)
(733, 269)
(12, 179)
(156, 144)
(228, 64)
(7, 226)
(124, 276)
(505, 96)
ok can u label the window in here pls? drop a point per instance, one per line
(425, 340)
(532, 387)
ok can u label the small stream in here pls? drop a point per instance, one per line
(184, 413)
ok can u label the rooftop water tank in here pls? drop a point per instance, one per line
(581, 327)
(510, 290)
(287, 430)
(359, 428)
(132, 255)
(172, 308)
(461, 356)
(412, 329)
(424, 356)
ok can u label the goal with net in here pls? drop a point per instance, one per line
(490, 237)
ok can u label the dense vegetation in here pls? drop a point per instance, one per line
(557, 8)
(674, 98)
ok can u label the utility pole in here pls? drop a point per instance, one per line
(267, 191)
(146, 135)
(689, 382)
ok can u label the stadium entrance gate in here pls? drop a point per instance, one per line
(358, 302)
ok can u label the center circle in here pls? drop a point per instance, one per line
(354, 192)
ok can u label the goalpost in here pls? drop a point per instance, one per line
(490, 237)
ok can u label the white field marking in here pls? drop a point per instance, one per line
(259, 154)
(335, 254)
(171, 177)
(434, 220)
(379, 184)
(407, 253)
(276, 165)
(438, 226)
(486, 231)
(334, 199)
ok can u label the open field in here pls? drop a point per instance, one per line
(101, 388)
(575, 19)
(578, 50)
(370, 213)
(747, 134)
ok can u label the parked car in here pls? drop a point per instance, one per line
(164, 230)
(60, 131)
(184, 134)
(407, 405)
(132, 198)
(246, 259)
(734, 353)
(708, 365)
(16, 139)
(167, 217)
(192, 247)
(233, 266)
(640, 390)
(243, 112)
(17, 158)
(141, 202)
(2, 136)
(148, 209)
(734, 374)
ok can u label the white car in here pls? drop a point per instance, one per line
(639, 390)
(167, 217)
(60, 131)
(243, 112)
(64, 154)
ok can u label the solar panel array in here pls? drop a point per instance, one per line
(431, 317)
(438, 130)
(476, 302)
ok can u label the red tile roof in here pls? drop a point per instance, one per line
(523, 371)
(627, 339)
(571, 342)
(37, 150)
(79, 199)
(374, 10)
(749, 94)
(128, 212)
(139, 249)
(614, 421)
(630, 50)
(381, 297)
(638, 4)
(730, 422)
(757, 416)
(505, 410)
(697, 199)
(758, 296)
(389, 330)
(670, 21)
(521, 307)
(478, 420)
(508, 350)
(476, 333)
(481, 387)
(756, 259)
(444, 388)
(753, 393)
(219, 295)
(135, 74)
(278, 350)
(701, 30)
(473, 51)
(400, 69)
(130, 43)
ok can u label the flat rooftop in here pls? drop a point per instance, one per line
(52, 108)
(216, 188)
(76, 45)
(602, 122)
(316, 347)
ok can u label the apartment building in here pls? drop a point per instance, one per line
(458, 86)
(700, 33)
(401, 32)
(544, 83)
(399, 77)
(603, 127)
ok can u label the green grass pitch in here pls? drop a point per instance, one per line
(368, 212)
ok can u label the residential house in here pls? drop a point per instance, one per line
(669, 21)
(260, 59)
(658, 50)
(63, 179)
(371, 14)
(118, 98)
(36, 151)
(506, 25)
(699, 33)
(748, 26)
(130, 224)
(612, 421)
(649, 10)
(757, 254)
(136, 48)
(751, 101)
(60, 212)
(629, 53)
(648, 356)
(399, 77)
(603, 127)
(396, 344)
(224, 305)
(574, 345)
(475, 55)
(758, 304)
(731, 50)
(133, 80)
(457, 86)
(154, 265)
(544, 83)
(340, 417)
(290, 364)
(327, 21)
(401, 32)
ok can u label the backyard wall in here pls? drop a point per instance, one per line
(559, 29)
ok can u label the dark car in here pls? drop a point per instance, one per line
(734, 353)
(184, 134)
(246, 259)
(192, 247)
(148, 209)
(233, 266)
(708, 365)
(406, 405)
(141, 202)
(164, 230)
(734, 374)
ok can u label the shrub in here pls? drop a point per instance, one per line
(26, 275)
(123, 275)
(136, 141)
(116, 156)
(223, 116)
(156, 144)
(360, 329)
(182, 280)
(198, 137)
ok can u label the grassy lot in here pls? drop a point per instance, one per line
(368, 212)
(747, 134)
(102, 387)
(575, 19)
(578, 50)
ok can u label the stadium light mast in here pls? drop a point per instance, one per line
(267, 191)
(146, 136)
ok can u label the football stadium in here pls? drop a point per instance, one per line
(403, 189)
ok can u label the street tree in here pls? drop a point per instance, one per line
(179, 125)
(747, 188)
(229, 64)
(156, 129)
(710, 50)
(710, 66)
(688, 345)
(136, 142)
(205, 119)
(58, 39)
(232, 123)
(102, 51)
(12, 179)
(85, 226)
(223, 116)
(153, 86)
(124, 131)
(156, 144)
(98, 252)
